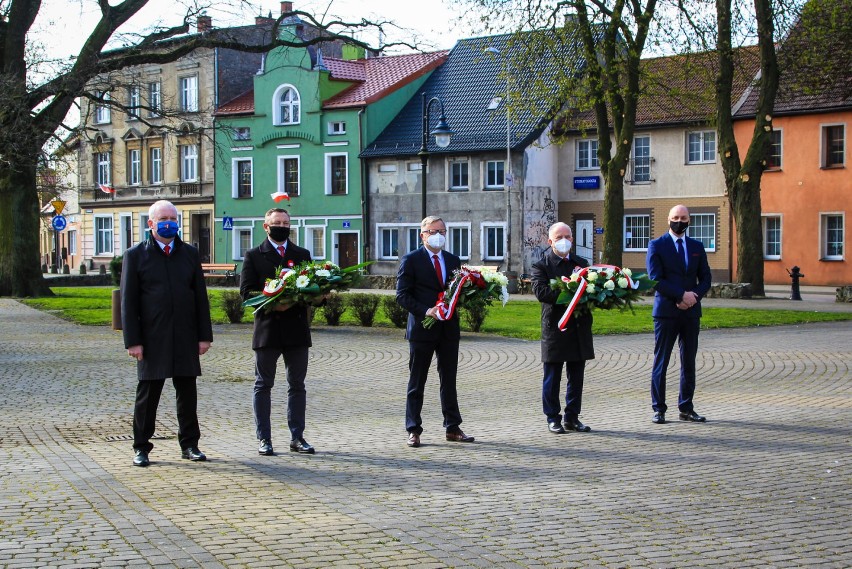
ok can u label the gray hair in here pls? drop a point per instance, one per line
(159, 205)
(555, 226)
(429, 220)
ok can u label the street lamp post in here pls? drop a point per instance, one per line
(442, 135)
(508, 178)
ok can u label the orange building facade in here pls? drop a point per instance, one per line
(806, 192)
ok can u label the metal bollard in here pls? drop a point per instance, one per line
(795, 275)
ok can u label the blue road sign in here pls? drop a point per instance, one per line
(58, 222)
(599, 230)
(347, 224)
(228, 223)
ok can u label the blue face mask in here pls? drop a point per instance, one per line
(167, 229)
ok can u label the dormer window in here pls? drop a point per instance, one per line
(286, 105)
(495, 103)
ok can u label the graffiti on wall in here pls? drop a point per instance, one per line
(539, 215)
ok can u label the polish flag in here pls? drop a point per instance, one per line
(278, 196)
(106, 189)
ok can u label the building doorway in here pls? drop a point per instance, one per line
(199, 234)
(584, 240)
(346, 249)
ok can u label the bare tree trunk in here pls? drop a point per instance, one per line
(20, 273)
(613, 211)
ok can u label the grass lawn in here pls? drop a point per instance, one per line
(518, 319)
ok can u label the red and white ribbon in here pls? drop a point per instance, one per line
(446, 308)
(581, 288)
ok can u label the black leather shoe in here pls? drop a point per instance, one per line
(555, 427)
(141, 458)
(413, 440)
(301, 445)
(458, 436)
(692, 416)
(193, 454)
(659, 418)
(575, 425)
(265, 448)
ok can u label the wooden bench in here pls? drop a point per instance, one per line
(227, 271)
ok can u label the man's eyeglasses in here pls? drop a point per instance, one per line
(435, 231)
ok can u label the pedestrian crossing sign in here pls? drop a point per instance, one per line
(228, 223)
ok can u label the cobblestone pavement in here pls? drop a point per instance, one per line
(766, 482)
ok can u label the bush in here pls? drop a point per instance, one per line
(232, 303)
(395, 313)
(333, 309)
(115, 270)
(364, 305)
(474, 315)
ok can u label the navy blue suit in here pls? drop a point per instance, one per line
(417, 290)
(674, 278)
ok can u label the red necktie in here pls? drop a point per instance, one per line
(281, 250)
(167, 249)
(438, 270)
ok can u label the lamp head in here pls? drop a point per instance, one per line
(442, 133)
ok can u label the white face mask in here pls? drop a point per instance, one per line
(562, 246)
(436, 241)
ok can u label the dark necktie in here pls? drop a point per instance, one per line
(680, 251)
(438, 270)
(167, 249)
(281, 250)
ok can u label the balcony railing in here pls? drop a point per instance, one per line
(150, 192)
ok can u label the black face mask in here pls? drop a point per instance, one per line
(679, 226)
(279, 234)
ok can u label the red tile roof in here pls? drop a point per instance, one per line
(373, 78)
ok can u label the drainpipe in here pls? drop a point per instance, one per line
(365, 192)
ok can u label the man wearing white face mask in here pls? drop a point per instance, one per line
(570, 348)
(423, 275)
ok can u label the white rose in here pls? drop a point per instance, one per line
(575, 277)
(609, 285)
(591, 289)
(323, 273)
(592, 276)
(627, 272)
(302, 281)
(622, 282)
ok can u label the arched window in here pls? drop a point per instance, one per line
(287, 106)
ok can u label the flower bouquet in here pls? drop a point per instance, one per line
(599, 286)
(305, 283)
(469, 287)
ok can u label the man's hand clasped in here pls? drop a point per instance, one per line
(689, 300)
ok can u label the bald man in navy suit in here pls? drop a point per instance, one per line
(679, 265)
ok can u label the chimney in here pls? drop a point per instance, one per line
(286, 7)
(204, 23)
(260, 20)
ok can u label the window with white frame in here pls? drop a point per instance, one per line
(315, 241)
(102, 110)
(134, 171)
(459, 177)
(242, 180)
(458, 241)
(188, 92)
(156, 165)
(242, 133)
(413, 238)
(286, 105)
(701, 147)
(833, 146)
(103, 168)
(72, 241)
(288, 175)
(336, 128)
(495, 174)
(832, 236)
(773, 161)
(493, 242)
(388, 243)
(414, 166)
(103, 234)
(189, 163)
(336, 183)
(702, 226)
(387, 168)
(637, 232)
(771, 237)
(144, 230)
(155, 102)
(641, 166)
(587, 154)
(242, 242)
(134, 101)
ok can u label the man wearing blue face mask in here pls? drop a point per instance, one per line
(165, 316)
(422, 277)
(569, 348)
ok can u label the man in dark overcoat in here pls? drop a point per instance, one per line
(282, 332)
(165, 317)
(569, 348)
(422, 277)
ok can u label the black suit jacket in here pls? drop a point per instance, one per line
(673, 279)
(417, 290)
(575, 343)
(274, 329)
